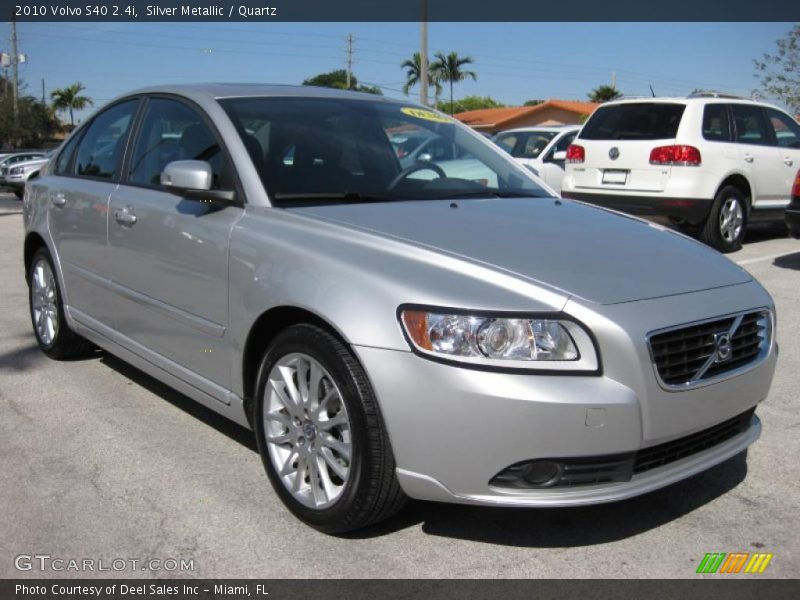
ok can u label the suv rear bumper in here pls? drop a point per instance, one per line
(693, 210)
(793, 219)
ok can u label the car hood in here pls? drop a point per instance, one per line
(584, 251)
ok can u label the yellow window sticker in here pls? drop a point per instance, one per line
(421, 113)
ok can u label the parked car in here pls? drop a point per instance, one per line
(19, 173)
(388, 336)
(711, 163)
(793, 210)
(12, 159)
(542, 149)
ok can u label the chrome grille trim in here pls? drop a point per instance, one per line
(685, 356)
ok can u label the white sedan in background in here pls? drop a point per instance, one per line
(542, 149)
(18, 174)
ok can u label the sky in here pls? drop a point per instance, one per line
(514, 62)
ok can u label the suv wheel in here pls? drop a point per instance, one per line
(320, 433)
(726, 225)
(53, 334)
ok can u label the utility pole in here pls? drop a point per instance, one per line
(44, 102)
(423, 55)
(15, 64)
(614, 79)
(349, 56)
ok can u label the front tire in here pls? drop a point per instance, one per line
(53, 334)
(320, 433)
(726, 224)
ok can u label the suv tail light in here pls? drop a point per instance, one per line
(796, 186)
(682, 156)
(575, 154)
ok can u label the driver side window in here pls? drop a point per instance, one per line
(173, 131)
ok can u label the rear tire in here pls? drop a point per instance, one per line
(53, 334)
(321, 435)
(726, 224)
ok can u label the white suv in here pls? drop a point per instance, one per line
(710, 163)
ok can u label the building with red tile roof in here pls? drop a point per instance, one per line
(550, 112)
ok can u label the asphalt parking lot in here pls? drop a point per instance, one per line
(101, 461)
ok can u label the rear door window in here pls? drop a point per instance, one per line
(634, 121)
(751, 125)
(716, 125)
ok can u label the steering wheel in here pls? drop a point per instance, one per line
(419, 166)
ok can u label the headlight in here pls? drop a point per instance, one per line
(548, 343)
(16, 171)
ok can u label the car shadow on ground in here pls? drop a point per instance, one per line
(763, 232)
(788, 261)
(539, 527)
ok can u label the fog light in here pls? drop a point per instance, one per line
(541, 472)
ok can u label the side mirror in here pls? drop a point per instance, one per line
(560, 155)
(192, 179)
(425, 157)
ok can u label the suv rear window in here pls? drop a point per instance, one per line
(639, 121)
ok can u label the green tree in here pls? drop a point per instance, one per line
(414, 76)
(604, 93)
(779, 73)
(448, 68)
(338, 79)
(35, 122)
(472, 103)
(533, 102)
(69, 99)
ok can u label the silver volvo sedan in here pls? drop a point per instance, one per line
(447, 330)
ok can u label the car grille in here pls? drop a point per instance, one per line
(593, 470)
(706, 350)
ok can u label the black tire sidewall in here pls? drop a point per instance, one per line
(324, 348)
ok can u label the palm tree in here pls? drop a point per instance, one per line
(414, 75)
(448, 68)
(69, 98)
(604, 93)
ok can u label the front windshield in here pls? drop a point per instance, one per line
(335, 149)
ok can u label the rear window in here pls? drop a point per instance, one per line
(640, 121)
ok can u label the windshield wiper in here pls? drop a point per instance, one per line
(302, 197)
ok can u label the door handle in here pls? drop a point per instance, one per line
(58, 199)
(748, 158)
(125, 217)
(788, 161)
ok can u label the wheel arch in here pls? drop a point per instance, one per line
(33, 241)
(740, 182)
(263, 330)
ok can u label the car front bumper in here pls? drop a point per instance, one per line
(454, 429)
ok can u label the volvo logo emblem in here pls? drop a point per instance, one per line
(722, 345)
(613, 154)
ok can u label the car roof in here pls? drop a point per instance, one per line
(705, 99)
(219, 91)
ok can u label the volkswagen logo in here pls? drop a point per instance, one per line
(723, 348)
(613, 154)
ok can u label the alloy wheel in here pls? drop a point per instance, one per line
(44, 301)
(307, 430)
(731, 220)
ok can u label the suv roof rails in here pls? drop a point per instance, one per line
(716, 94)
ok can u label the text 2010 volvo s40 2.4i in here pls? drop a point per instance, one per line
(445, 330)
